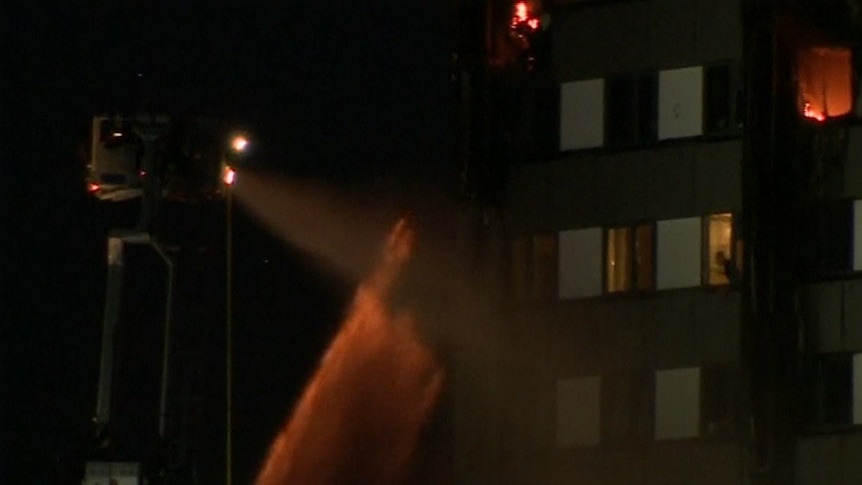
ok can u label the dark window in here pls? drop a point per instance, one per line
(533, 268)
(627, 408)
(830, 391)
(719, 396)
(647, 108)
(718, 99)
(621, 116)
(544, 267)
(630, 110)
(833, 238)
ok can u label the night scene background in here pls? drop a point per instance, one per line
(353, 94)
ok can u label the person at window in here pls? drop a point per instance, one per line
(732, 273)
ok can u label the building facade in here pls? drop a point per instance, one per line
(629, 360)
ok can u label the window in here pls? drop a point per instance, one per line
(630, 112)
(830, 391)
(619, 260)
(580, 263)
(719, 396)
(519, 269)
(581, 114)
(825, 82)
(719, 258)
(627, 408)
(677, 403)
(629, 258)
(719, 99)
(533, 268)
(678, 253)
(578, 411)
(544, 267)
(680, 103)
(620, 116)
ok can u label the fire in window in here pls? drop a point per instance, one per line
(825, 85)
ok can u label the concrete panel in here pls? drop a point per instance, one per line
(693, 463)
(659, 34)
(818, 460)
(678, 253)
(677, 403)
(824, 303)
(693, 327)
(680, 103)
(718, 178)
(578, 411)
(851, 466)
(582, 111)
(601, 337)
(673, 32)
(852, 324)
(719, 30)
(589, 50)
(580, 263)
(594, 189)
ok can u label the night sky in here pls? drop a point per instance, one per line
(344, 92)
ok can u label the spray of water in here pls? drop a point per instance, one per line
(361, 415)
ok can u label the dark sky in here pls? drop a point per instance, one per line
(342, 91)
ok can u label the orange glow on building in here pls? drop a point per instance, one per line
(825, 82)
(92, 187)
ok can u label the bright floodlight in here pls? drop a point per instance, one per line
(239, 143)
(229, 176)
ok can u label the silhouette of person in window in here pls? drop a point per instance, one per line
(730, 270)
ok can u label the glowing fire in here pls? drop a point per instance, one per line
(825, 88)
(523, 19)
(809, 112)
(360, 417)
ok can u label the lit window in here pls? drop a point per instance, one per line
(719, 266)
(825, 82)
(629, 258)
(619, 260)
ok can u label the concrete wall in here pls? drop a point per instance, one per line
(594, 39)
(589, 189)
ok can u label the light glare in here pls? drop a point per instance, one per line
(229, 176)
(239, 143)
